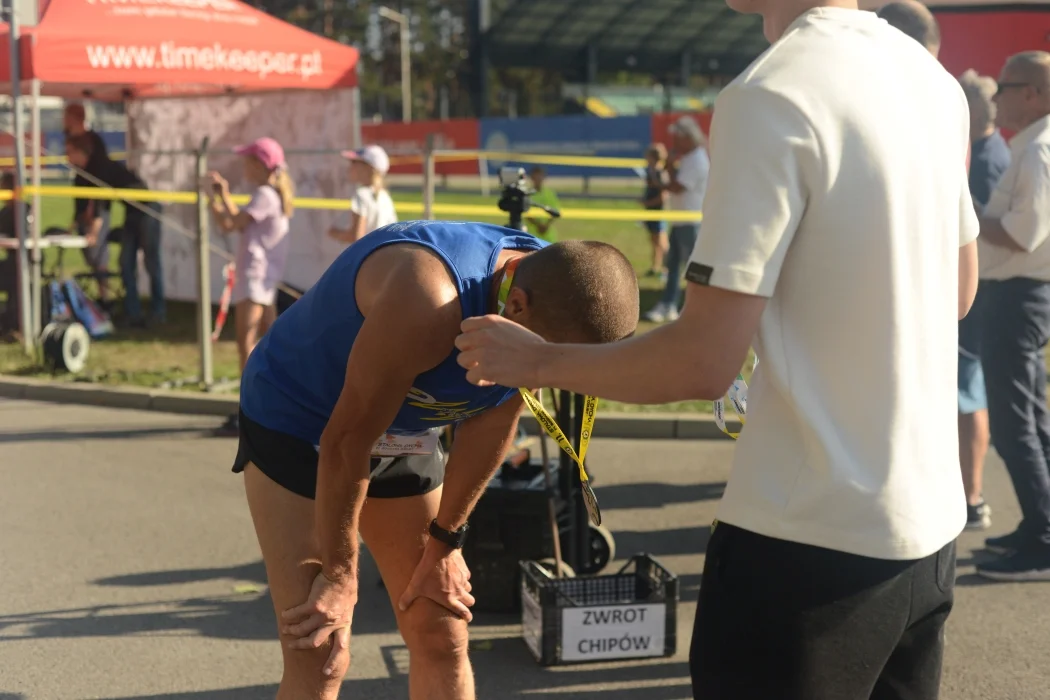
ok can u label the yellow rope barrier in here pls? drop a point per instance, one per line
(456, 210)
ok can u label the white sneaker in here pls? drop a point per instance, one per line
(672, 313)
(658, 314)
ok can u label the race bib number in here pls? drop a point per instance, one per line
(400, 445)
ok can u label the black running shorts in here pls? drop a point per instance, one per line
(292, 463)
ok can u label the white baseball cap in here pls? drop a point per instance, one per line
(687, 126)
(373, 155)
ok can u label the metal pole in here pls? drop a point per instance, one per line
(356, 142)
(569, 478)
(406, 74)
(203, 270)
(428, 178)
(26, 310)
(37, 218)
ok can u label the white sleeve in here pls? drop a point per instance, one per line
(1028, 219)
(969, 224)
(363, 202)
(693, 171)
(764, 156)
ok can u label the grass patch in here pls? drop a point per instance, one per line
(168, 355)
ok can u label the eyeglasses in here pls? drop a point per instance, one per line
(1005, 86)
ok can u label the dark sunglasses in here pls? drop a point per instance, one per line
(1005, 86)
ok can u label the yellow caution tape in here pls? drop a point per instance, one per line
(457, 210)
(580, 161)
(439, 156)
(9, 161)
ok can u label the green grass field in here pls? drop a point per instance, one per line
(169, 355)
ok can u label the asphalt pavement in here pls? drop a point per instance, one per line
(129, 569)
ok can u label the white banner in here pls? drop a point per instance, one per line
(613, 632)
(304, 120)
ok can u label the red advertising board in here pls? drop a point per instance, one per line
(662, 121)
(404, 144)
(982, 40)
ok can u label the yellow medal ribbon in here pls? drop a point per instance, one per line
(737, 395)
(550, 426)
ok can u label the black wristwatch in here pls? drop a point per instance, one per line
(453, 539)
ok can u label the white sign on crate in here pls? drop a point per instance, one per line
(531, 623)
(613, 632)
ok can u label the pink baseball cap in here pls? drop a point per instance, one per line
(373, 155)
(268, 151)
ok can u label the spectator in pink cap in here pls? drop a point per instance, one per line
(263, 247)
(371, 207)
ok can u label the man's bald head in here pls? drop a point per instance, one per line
(1031, 67)
(1024, 90)
(914, 19)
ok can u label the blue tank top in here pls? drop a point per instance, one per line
(295, 374)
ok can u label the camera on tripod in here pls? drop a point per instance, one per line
(515, 196)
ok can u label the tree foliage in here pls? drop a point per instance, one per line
(439, 41)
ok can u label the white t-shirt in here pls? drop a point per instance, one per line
(839, 191)
(1021, 201)
(693, 169)
(376, 208)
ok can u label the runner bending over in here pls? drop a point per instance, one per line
(343, 398)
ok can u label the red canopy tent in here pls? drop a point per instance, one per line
(119, 49)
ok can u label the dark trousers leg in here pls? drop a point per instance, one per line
(681, 242)
(788, 621)
(151, 252)
(1017, 327)
(913, 671)
(130, 244)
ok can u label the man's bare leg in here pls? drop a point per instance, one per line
(973, 449)
(284, 524)
(394, 529)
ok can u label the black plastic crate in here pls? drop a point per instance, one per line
(631, 614)
(510, 523)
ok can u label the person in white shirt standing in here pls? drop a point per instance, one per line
(687, 169)
(1015, 284)
(840, 240)
(371, 207)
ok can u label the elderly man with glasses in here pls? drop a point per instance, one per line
(1014, 253)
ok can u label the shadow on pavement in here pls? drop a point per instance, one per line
(662, 543)
(100, 434)
(245, 572)
(236, 616)
(689, 587)
(653, 495)
(498, 678)
(246, 613)
(11, 696)
(973, 580)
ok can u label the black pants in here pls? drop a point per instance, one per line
(1016, 329)
(9, 313)
(779, 620)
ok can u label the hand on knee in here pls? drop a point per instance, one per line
(434, 634)
(316, 673)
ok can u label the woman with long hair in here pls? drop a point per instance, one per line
(371, 207)
(262, 251)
